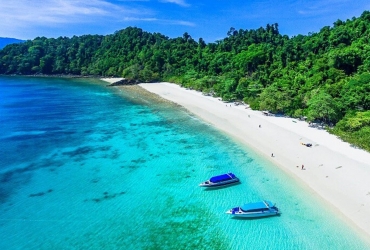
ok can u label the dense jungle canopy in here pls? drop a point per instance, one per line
(324, 76)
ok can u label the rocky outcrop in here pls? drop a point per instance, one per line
(125, 82)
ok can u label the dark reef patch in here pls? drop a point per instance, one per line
(95, 180)
(106, 196)
(50, 163)
(183, 141)
(249, 160)
(133, 167)
(114, 155)
(105, 138)
(41, 193)
(85, 150)
(45, 163)
(4, 194)
(79, 151)
(12, 179)
(143, 112)
(160, 124)
(140, 160)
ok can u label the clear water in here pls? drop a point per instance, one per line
(84, 166)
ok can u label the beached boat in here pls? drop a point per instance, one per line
(220, 180)
(253, 210)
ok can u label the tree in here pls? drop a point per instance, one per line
(247, 61)
(356, 93)
(274, 99)
(322, 107)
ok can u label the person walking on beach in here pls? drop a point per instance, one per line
(302, 167)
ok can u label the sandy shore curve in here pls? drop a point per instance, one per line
(333, 169)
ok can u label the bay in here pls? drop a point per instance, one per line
(84, 166)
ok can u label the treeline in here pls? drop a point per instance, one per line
(323, 76)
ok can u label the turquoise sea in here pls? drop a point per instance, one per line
(84, 166)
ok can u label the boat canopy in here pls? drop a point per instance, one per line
(257, 205)
(223, 177)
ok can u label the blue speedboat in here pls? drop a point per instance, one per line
(220, 180)
(253, 210)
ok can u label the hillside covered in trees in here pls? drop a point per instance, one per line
(323, 76)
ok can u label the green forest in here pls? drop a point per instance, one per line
(323, 77)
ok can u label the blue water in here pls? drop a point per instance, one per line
(84, 166)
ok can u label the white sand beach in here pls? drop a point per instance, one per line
(335, 171)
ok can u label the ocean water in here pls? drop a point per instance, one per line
(84, 166)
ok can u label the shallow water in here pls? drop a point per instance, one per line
(89, 167)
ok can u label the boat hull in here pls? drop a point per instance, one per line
(254, 215)
(219, 184)
(255, 210)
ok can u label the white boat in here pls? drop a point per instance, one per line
(254, 210)
(220, 180)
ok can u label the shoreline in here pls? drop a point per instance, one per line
(335, 171)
